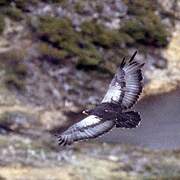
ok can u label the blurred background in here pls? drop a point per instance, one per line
(57, 58)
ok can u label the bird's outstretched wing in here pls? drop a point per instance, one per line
(126, 85)
(90, 127)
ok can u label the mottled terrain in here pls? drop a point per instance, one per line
(48, 76)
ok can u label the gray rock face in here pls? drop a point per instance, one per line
(107, 12)
(172, 6)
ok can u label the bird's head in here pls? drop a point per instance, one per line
(87, 111)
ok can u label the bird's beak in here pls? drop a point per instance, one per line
(84, 112)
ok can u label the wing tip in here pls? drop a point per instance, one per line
(133, 56)
(63, 141)
(123, 62)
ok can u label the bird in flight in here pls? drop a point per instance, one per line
(113, 111)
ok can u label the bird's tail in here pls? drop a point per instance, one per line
(130, 119)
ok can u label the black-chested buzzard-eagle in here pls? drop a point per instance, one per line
(123, 92)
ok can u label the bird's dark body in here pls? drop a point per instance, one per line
(107, 111)
(113, 110)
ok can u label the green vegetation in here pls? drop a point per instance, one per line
(79, 7)
(102, 36)
(60, 41)
(4, 118)
(147, 31)
(140, 7)
(14, 13)
(15, 69)
(4, 2)
(2, 24)
(145, 26)
(23, 4)
(62, 37)
(51, 54)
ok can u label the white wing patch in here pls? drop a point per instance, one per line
(88, 121)
(126, 85)
(114, 93)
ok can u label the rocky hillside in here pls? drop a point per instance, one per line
(58, 56)
(47, 48)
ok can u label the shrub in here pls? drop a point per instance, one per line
(99, 35)
(23, 4)
(51, 54)
(12, 81)
(14, 13)
(4, 2)
(2, 24)
(66, 42)
(145, 26)
(147, 30)
(79, 7)
(16, 70)
(140, 7)
(61, 40)
(89, 57)
(58, 32)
